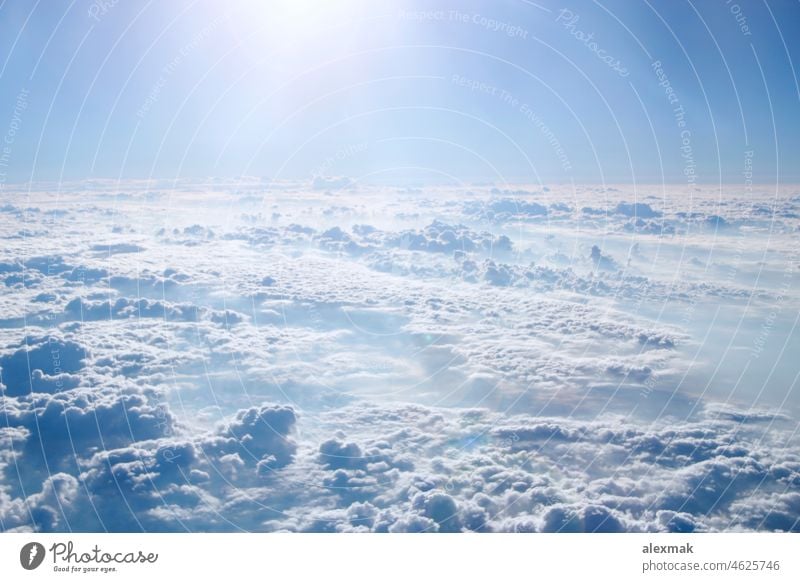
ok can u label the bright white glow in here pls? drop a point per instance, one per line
(290, 30)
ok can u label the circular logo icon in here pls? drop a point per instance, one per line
(31, 555)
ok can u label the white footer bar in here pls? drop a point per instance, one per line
(353, 557)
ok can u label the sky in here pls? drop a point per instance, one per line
(401, 92)
(399, 266)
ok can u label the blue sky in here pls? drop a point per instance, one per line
(400, 92)
(302, 344)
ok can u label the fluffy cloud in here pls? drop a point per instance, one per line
(431, 362)
(41, 364)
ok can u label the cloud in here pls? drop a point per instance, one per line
(116, 248)
(505, 209)
(432, 361)
(601, 261)
(80, 309)
(426, 470)
(258, 434)
(41, 364)
(331, 183)
(636, 210)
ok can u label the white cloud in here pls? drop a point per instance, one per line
(426, 361)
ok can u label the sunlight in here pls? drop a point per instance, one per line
(293, 29)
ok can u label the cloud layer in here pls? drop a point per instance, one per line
(482, 360)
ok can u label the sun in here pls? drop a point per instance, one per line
(288, 29)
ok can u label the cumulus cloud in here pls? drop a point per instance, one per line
(41, 364)
(637, 210)
(427, 470)
(430, 362)
(330, 182)
(258, 435)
